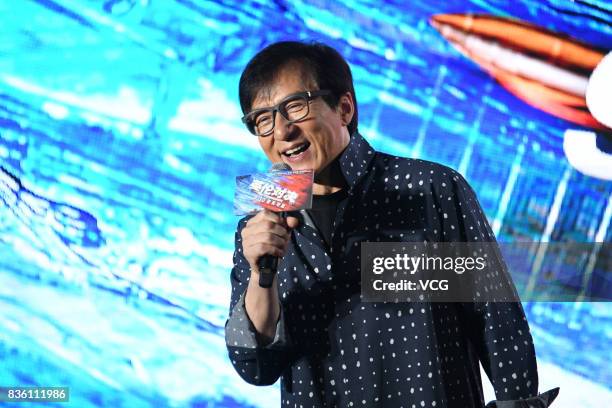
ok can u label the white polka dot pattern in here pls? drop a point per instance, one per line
(332, 350)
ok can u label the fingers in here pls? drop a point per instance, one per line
(256, 251)
(271, 223)
(292, 222)
(268, 216)
(267, 233)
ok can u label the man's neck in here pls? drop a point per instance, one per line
(329, 180)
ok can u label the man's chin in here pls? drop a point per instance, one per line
(300, 166)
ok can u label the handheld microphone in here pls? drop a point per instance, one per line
(268, 264)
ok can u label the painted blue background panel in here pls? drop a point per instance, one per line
(120, 138)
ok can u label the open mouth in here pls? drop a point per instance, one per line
(296, 150)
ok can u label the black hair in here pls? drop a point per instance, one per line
(323, 64)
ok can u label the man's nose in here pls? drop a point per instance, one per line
(282, 127)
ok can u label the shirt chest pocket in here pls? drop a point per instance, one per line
(353, 239)
(351, 245)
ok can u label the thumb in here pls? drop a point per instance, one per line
(292, 222)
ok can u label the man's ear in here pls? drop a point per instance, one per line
(346, 108)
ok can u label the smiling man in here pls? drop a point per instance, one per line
(311, 328)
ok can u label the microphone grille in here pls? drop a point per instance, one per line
(280, 166)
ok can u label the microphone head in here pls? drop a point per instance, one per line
(280, 166)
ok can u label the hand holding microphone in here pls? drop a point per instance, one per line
(265, 239)
(266, 235)
(271, 196)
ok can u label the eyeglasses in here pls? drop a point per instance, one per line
(293, 108)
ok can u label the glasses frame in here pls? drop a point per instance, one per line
(308, 95)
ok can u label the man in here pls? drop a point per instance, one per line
(311, 328)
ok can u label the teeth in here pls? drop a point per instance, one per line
(290, 152)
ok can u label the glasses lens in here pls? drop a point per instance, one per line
(295, 109)
(261, 123)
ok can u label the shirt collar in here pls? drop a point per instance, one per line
(355, 159)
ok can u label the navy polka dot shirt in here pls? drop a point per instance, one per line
(333, 350)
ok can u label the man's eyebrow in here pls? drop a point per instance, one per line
(279, 101)
(263, 93)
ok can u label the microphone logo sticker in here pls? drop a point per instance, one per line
(286, 190)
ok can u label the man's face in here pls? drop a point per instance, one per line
(319, 138)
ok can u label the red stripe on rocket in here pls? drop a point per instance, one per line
(547, 70)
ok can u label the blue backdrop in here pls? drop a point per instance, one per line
(120, 138)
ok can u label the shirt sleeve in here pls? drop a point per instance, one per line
(498, 331)
(240, 332)
(543, 400)
(255, 363)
